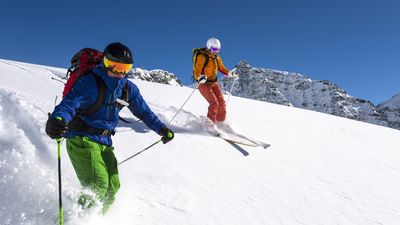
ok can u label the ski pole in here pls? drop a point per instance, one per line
(183, 104)
(59, 178)
(58, 80)
(230, 92)
(140, 152)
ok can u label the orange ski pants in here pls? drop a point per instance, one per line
(213, 94)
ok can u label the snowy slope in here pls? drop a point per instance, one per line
(320, 169)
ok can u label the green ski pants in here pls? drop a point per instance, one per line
(96, 168)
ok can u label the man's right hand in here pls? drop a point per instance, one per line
(202, 79)
(56, 127)
(233, 74)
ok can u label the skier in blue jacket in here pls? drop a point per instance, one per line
(88, 134)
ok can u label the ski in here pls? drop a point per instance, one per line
(242, 140)
(257, 142)
(225, 132)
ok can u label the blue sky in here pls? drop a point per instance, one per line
(355, 44)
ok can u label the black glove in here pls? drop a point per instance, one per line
(56, 127)
(167, 135)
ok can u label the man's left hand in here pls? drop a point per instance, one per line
(167, 135)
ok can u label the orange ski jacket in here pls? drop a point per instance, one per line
(211, 69)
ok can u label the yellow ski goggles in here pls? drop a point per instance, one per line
(117, 67)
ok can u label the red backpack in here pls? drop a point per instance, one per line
(82, 63)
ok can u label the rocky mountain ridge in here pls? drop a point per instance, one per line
(157, 76)
(294, 89)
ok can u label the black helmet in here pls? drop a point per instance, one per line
(118, 52)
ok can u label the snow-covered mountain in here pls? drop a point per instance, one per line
(157, 76)
(320, 169)
(391, 110)
(293, 89)
(391, 104)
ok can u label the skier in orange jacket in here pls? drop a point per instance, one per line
(206, 65)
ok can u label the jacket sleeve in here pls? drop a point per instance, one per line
(201, 59)
(141, 110)
(221, 66)
(80, 96)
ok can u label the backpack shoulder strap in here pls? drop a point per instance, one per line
(124, 97)
(215, 58)
(205, 63)
(101, 98)
(125, 92)
(201, 51)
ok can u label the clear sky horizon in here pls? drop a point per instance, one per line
(354, 44)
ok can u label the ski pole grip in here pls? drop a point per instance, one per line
(58, 139)
(170, 134)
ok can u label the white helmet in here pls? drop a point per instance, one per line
(213, 43)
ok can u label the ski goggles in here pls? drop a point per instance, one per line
(214, 50)
(117, 67)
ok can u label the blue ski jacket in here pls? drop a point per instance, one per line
(84, 94)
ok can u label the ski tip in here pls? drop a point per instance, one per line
(266, 146)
